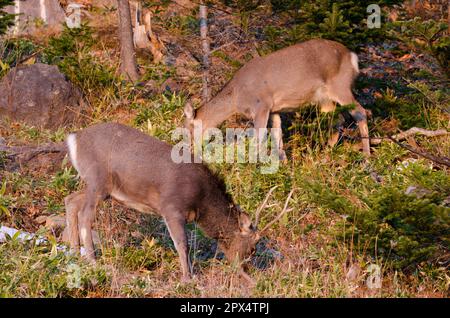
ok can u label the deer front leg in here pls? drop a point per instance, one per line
(260, 122)
(359, 114)
(175, 223)
(334, 138)
(278, 136)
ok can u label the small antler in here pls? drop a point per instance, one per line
(281, 214)
(263, 205)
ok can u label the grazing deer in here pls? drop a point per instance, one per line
(316, 71)
(137, 170)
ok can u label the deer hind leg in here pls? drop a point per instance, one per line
(175, 223)
(278, 135)
(359, 114)
(86, 217)
(73, 203)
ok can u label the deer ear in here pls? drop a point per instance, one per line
(189, 110)
(245, 223)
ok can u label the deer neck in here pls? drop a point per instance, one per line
(217, 110)
(219, 222)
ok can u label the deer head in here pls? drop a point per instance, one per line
(242, 244)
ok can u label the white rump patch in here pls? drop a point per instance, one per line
(354, 60)
(72, 145)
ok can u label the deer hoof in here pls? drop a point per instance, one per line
(282, 156)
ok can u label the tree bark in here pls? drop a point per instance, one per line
(203, 14)
(448, 19)
(128, 66)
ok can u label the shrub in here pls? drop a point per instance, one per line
(162, 117)
(405, 220)
(404, 228)
(430, 36)
(71, 51)
(12, 51)
(343, 21)
(31, 270)
(6, 20)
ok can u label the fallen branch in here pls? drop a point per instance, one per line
(440, 160)
(29, 152)
(411, 132)
(222, 47)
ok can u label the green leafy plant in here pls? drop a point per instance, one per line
(71, 51)
(146, 256)
(244, 8)
(430, 36)
(12, 51)
(32, 270)
(158, 119)
(343, 21)
(405, 222)
(4, 201)
(335, 25)
(404, 228)
(6, 19)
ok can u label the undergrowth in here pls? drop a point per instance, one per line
(346, 214)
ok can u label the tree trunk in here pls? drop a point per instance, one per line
(205, 46)
(128, 66)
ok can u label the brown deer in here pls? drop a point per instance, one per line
(137, 170)
(313, 72)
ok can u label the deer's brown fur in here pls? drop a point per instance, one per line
(137, 170)
(317, 71)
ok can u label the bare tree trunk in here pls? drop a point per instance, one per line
(205, 46)
(128, 66)
(448, 18)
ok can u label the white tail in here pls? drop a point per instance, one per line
(72, 149)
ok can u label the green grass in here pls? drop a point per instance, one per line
(31, 270)
(346, 212)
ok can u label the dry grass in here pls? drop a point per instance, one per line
(304, 253)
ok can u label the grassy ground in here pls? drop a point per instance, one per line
(351, 220)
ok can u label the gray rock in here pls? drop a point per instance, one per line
(39, 95)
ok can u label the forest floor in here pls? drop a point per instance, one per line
(313, 251)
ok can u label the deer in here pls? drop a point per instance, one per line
(317, 71)
(135, 169)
